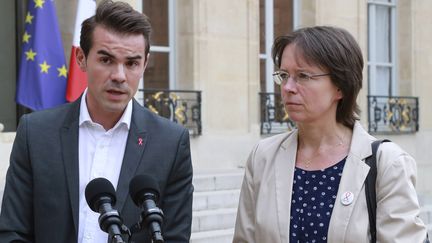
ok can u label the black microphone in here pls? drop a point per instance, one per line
(144, 191)
(101, 197)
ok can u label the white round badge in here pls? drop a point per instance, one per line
(347, 198)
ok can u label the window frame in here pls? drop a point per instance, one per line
(372, 62)
(269, 38)
(171, 47)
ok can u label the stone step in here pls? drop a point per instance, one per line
(215, 236)
(215, 204)
(215, 199)
(216, 219)
(213, 181)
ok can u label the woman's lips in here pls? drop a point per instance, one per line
(292, 103)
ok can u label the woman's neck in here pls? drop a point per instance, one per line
(316, 136)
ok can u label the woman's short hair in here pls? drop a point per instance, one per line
(119, 17)
(335, 50)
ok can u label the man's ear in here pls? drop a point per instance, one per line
(146, 61)
(81, 59)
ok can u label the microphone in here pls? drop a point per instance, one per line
(101, 197)
(144, 191)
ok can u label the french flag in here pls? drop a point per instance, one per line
(77, 80)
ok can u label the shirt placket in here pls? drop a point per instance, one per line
(98, 169)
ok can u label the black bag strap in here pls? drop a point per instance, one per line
(371, 188)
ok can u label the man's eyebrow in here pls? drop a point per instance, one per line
(134, 57)
(103, 52)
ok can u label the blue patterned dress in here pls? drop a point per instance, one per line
(313, 198)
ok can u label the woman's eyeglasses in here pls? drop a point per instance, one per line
(281, 77)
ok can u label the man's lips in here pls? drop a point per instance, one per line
(116, 92)
(116, 95)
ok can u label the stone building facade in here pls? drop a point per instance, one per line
(221, 48)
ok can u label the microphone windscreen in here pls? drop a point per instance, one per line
(142, 184)
(96, 190)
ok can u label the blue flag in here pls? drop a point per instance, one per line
(42, 74)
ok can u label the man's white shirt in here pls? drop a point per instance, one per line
(100, 155)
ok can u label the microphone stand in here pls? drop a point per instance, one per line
(117, 238)
(152, 219)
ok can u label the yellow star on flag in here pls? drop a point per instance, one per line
(62, 71)
(44, 67)
(26, 37)
(29, 18)
(30, 55)
(39, 3)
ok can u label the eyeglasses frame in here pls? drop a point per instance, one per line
(282, 81)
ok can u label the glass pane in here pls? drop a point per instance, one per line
(283, 17)
(156, 76)
(383, 1)
(262, 28)
(370, 24)
(157, 11)
(383, 34)
(381, 84)
(263, 75)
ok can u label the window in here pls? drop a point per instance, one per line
(160, 72)
(276, 18)
(381, 47)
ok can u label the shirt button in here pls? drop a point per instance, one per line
(88, 236)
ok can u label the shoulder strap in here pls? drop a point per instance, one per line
(371, 188)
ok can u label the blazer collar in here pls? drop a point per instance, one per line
(359, 139)
(352, 181)
(284, 174)
(69, 147)
(135, 145)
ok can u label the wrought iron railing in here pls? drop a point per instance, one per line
(180, 106)
(274, 119)
(393, 114)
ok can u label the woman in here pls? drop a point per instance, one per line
(307, 185)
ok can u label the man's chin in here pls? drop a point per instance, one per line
(115, 107)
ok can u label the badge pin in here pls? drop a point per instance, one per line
(140, 141)
(347, 198)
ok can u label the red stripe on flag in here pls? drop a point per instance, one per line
(77, 79)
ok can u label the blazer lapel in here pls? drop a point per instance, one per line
(353, 177)
(284, 172)
(69, 148)
(135, 146)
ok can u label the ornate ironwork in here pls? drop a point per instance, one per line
(180, 106)
(393, 114)
(274, 119)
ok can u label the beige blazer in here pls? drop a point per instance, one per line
(264, 209)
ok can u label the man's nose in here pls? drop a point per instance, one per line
(118, 73)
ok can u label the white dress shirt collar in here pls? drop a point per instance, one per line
(84, 116)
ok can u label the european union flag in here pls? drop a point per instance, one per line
(42, 75)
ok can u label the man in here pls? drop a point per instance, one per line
(105, 133)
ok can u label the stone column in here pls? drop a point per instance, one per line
(422, 86)
(218, 47)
